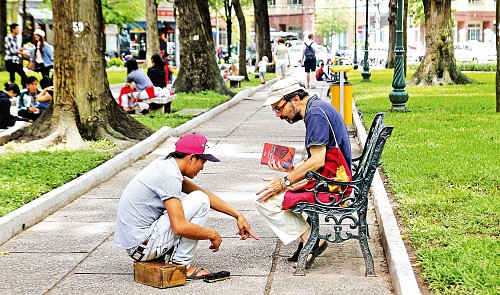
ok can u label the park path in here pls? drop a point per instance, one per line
(72, 251)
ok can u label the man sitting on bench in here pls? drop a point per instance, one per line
(326, 140)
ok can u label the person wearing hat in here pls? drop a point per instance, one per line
(326, 133)
(42, 58)
(155, 221)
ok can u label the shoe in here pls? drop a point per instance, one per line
(295, 256)
(217, 276)
(195, 276)
(132, 112)
(317, 250)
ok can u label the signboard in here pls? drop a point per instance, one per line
(360, 29)
(165, 14)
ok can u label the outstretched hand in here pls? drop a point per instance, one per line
(244, 230)
(271, 189)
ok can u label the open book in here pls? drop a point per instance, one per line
(282, 155)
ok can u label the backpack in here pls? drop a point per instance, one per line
(309, 51)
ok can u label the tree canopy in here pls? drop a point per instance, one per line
(331, 19)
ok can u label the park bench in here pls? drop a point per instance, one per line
(349, 211)
(235, 81)
(164, 103)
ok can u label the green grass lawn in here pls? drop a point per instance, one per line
(443, 165)
(26, 176)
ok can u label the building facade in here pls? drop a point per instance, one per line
(473, 20)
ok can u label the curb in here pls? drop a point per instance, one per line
(36, 210)
(402, 276)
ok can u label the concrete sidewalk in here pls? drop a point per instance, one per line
(72, 251)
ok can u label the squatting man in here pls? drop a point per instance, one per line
(155, 221)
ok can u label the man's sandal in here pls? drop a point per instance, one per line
(315, 252)
(195, 276)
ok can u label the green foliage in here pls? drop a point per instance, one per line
(118, 12)
(26, 176)
(442, 166)
(115, 61)
(122, 12)
(416, 10)
(331, 19)
(491, 67)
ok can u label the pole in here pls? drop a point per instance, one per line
(399, 96)
(355, 58)
(366, 66)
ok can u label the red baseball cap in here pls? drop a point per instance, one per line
(194, 144)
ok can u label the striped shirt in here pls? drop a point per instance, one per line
(140, 78)
(11, 49)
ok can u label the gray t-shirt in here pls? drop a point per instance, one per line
(142, 201)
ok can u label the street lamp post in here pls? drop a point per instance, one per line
(399, 96)
(366, 64)
(355, 58)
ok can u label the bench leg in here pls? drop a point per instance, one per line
(167, 108)
(363, 243)
(301, 261)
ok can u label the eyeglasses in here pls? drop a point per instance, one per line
(280, 108)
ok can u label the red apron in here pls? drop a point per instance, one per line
(305, 193)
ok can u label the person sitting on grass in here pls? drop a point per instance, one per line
(156, 221)
(27, 105)
(6, 119)
(45, 97)
(138, 87)
(320, 73)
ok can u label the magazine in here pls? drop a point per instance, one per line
(282, 155)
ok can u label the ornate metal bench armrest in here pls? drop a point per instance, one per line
(343, 199)
(318, 177)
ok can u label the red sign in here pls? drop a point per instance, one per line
(360, 29)
(165, 12)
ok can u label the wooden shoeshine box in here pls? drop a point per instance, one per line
(160, 274)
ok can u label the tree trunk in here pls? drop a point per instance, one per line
(243, 39)
(24, 24)
(228, 7)
(3, 33)
(82, 106)
(152, 37)
(393, 11)
(438, 66)
(262, 35)
(198, 69)
(497, 33)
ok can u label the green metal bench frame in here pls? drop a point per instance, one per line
(349, 212)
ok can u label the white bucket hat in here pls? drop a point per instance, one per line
(280, 89)
(39, 32)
